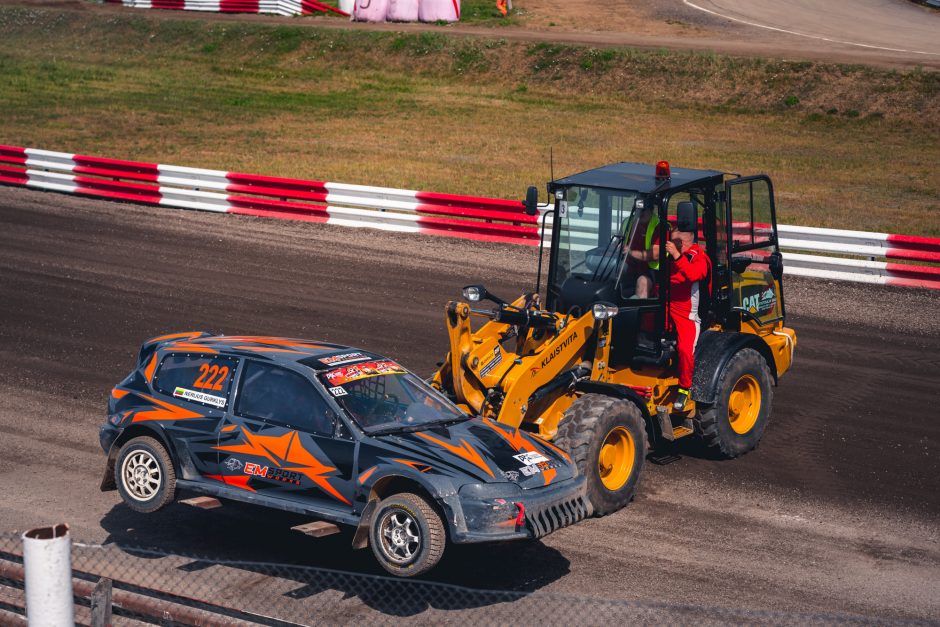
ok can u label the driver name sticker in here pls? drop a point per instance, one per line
(342, 376)
(199, 397)
(338, 391)
(530, 459)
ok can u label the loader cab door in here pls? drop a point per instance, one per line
(754, 260)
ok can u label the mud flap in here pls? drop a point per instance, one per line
(108, 482)
(361, 538)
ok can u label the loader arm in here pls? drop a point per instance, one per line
(488, 379)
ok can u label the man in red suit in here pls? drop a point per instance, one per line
(690, 272)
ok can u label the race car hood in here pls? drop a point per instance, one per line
(480, 449)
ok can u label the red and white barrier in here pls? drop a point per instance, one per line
(275, 7)
(409, 211)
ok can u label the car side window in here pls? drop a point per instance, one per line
(284, 397)
(203, 379)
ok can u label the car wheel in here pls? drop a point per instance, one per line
(407, 535)
(145, 476)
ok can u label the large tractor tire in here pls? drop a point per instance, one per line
(735, 423)
(606, 438)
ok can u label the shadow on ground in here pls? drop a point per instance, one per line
(261, 541)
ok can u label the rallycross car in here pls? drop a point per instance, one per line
(337, 433)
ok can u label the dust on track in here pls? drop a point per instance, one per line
(835, 511)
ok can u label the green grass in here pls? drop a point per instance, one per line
(848, 147)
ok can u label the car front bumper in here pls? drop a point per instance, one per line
(496, 518)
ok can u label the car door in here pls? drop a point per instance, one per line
(196, 390)
(281, 442)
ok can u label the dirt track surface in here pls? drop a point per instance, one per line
(885, 33)
(837, 511)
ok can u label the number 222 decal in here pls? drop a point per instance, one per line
(211, 377)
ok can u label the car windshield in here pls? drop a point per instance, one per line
(382, 396)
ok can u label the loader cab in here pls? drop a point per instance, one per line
(609, 230)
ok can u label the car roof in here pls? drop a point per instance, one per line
(639, 177)
(282, 350)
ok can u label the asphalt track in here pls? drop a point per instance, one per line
(886, 25)
(885, 33)
(836, 511)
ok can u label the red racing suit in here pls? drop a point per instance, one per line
(692, 267)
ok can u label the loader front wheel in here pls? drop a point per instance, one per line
(735, 423)
(606, 438)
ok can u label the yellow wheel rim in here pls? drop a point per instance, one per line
(744, 404)
(615, 462)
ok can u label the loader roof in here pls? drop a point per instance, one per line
(639, 177)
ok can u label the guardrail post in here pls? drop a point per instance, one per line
(47, 560)
(101, 604)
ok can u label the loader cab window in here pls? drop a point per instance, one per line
(754, 290)
(595, 226)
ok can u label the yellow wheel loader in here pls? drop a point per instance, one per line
(592, 368)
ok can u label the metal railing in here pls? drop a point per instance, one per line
(880, 258)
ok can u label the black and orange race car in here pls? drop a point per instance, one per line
(338, 433)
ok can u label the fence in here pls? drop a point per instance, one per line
(146, 586)
(276, 7)
(846, 255)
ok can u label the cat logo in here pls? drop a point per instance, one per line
(761, 302)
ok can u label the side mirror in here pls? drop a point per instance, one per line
(776, 265)
(532, 201)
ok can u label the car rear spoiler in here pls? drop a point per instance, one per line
(148, 348)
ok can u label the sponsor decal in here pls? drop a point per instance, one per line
(537, 467)
(338, 391)
(511, 475)
(275, 474)
(530, 458)
(233, 464)
(199, 397)
(345, 358)
(341, 376)
(758, 299)
(555, 352)
(497, 360)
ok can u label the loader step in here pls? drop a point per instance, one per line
(317, 529)
(203, 502)
(681, 431)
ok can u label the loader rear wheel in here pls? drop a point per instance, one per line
(735, 423)
(606, 438)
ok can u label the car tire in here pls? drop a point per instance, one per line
(735, 423)
(593, 423)
(407, 535)
(144, 475)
